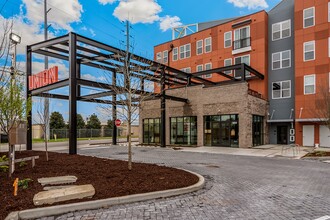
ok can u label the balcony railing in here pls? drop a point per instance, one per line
(242, 43)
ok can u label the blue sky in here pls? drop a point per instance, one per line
(102, 20)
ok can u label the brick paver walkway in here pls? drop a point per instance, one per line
(237, 187)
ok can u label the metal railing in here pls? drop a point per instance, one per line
(241, 43)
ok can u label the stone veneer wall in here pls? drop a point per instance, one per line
(217, 100)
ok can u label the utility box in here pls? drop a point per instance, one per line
(17, 135)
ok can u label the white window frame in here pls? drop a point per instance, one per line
(199, 66)
(281, 90)
(159, 57)
(197, 47)
(249, 74)
(175, 54)
(165, 52)
(224, 64)
(309, 17)
(314, 76)
(186, 69)
(207, 76)
(281, 29)
(328, 11)
(305, 43)
(281, 60)
(206, 45)
(231, 39)
(185, 51)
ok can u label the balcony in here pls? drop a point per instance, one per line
(242, 45)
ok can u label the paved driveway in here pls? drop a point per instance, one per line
(237, 187)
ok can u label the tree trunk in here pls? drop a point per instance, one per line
(129, 142)
(46, 146)
(11, 156)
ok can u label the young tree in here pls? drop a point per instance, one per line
(43, 119)
(93, 122)
(5, 31)
(80, 122)
(56, 121)
(13, 109)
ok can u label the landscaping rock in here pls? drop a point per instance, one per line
(60, 195)
(57, 180)
(57, 187)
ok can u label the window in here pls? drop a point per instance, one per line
(309, 50)
(281, 30)
(242, 38)
(208, 45)
(159, 57)
(281, 89)
(175, 54)
(199, 68)
(151, 130)
(183, 130)
(243, 59)
(309, 14)
(281, 60)
(309, 84)
(187, 70)
(228, 39)
(165, 56)
(228, 62)
(328, 11)
(199, 47)
(185, 51)
(208, 66)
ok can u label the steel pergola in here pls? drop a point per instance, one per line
(79, 51)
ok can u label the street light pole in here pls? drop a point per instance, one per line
(46, 109)
(14, 39)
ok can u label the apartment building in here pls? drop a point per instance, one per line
(312, 43)
(289, 46)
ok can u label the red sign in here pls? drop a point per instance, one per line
(43, 78)
(117, 122)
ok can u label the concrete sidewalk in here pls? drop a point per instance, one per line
(260, 151)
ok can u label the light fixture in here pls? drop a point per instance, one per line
(16, 39)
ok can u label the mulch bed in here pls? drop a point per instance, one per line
(318, 154)
(110, 178)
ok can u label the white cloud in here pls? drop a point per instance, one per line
(104, 2)
(169, 22)
(250, 4)
(138, 11)
(61, 15)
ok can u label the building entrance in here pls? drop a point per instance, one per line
(221, 130)
(282, 135)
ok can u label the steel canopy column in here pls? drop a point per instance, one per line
(114, 110)
(28, 95)
(73, 94)
(163, 110)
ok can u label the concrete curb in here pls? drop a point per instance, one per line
(104, 203)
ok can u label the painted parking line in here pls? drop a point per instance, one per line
(91, 148)
(327, 217)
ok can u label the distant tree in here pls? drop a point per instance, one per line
(323, 104)
(93, 122)
(56, 121)
(110, 124)
(80, 122)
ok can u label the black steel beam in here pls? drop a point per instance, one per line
(51, 54)
(98, 95)
(47, 43)
(163, 112)
(28, 95)
(220, 71)
(49, 87)
(254, 71)
(73, 94)
(114, 111)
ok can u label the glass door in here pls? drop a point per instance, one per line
(216, 140)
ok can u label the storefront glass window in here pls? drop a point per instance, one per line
(151, 131)
(184, 130)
